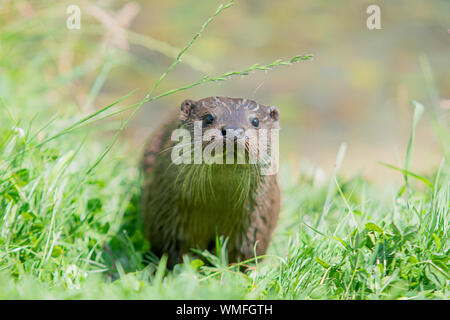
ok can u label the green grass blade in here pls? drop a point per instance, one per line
(418, 112)
(408, 173)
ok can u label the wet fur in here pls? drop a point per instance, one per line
(186, 206)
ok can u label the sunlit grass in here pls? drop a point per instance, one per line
(70, 200)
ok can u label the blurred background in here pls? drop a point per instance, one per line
(356, 89)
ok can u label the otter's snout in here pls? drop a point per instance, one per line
(233, 132)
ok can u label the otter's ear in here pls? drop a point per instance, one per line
(274, 113)
(187, 108)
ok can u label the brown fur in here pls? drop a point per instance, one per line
(178, 218)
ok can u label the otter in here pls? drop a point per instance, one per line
(187, 205)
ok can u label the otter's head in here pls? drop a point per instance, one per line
(230, 120)
(227, 131)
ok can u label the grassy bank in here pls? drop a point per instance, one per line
(70, 201)
(67, 233)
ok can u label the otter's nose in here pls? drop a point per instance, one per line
(233, 131)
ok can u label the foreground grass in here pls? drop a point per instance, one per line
(70, 225)
(65, 233)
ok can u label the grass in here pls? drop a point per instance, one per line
(69, 206)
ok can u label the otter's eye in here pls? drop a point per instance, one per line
(255, 122)
(209, 119)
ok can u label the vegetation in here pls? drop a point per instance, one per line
(69, 202)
